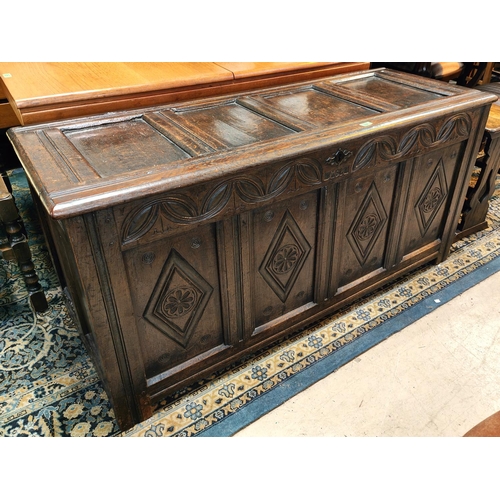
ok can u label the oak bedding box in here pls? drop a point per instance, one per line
(189, 235)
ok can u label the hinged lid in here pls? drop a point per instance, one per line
(85, 164)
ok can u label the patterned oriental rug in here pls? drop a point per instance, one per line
(49, 387)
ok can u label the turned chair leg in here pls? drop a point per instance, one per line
(18, 248)
(6, 180)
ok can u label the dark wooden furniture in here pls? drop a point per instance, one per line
(18, 249)
(15, 244)
(443, 71)
(466, 74)
(483, 182)
(472, 74)
(189, 235)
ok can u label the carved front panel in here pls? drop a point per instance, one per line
(367, 210)
(431, 186)
(174, 283)
(283, 264)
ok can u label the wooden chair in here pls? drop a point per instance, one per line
(444, 71)
(466, 74)
(16, 247)
(472, 74)
(487, 167)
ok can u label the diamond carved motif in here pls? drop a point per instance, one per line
(178, 299)
(432, 198)
(285, 257)
(367, 225)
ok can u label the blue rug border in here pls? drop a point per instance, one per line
(312, 374)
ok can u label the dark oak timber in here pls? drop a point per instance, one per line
(482, 187)
(188, 235)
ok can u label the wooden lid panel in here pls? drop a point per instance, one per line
(227, 125)
(319, 108)
(381, 88)
(125, 146)
(112, 158)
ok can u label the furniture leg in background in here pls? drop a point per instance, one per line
(479, 193)
(18, 248)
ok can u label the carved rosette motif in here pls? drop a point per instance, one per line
(182, 209)
(432, 198)
(431, 201)
(367, 225)
(178, 300)
(285, 257)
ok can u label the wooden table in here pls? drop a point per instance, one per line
(8, 116)
(189, 235)
(42, 92)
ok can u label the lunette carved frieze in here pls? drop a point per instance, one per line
(180, 208)
(415, 140)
